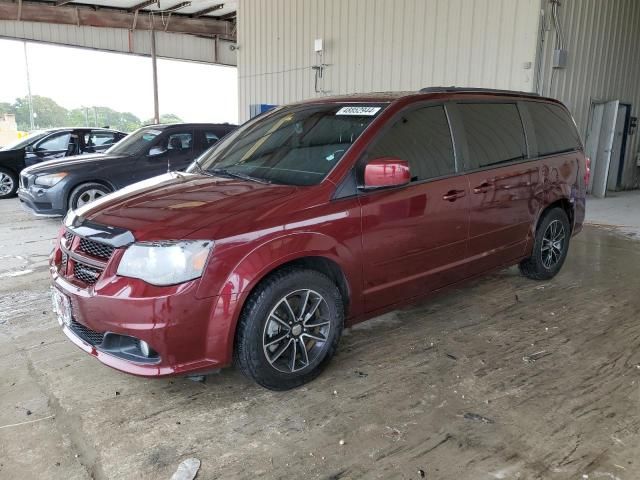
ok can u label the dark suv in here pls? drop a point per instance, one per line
(313, 217)
(50, 144)
(53, 187)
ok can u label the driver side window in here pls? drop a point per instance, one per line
(57, 142)
(178, 142)
(422, 138)
(175, 143)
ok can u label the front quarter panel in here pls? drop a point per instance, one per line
(240, 262)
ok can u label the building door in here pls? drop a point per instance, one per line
(616, 165)
(600, 136)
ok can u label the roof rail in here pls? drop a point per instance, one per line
(475, 90)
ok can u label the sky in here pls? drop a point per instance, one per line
(75, 77)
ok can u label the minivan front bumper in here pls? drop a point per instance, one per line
(109, 319)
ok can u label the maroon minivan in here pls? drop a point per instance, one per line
(315, 216)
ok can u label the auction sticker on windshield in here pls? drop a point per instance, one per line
(359, 111)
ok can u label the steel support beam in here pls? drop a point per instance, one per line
(200, 13)
(154, 66)
(108, 17)
(146, 4)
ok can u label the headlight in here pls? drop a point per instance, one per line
(165, 263)
(50, 180)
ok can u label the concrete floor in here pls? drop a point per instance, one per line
(618, 212)
(447, 387)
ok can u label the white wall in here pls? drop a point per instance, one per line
(603, 42)
(380, 45)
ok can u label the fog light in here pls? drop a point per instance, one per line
(144, 348)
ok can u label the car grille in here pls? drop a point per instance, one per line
(85, 273)
(80, 255)
(90, 336)
(96, 249)
(64, 263)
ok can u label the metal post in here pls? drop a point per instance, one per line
(156, 108)
(29, 100)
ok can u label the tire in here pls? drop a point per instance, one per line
(8, 183)
(86, 193)
(281, 365)
(548, 256)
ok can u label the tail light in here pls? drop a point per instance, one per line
(587, 172)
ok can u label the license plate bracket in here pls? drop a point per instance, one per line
(61, 306)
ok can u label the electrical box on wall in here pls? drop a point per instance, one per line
(560, 58)
(318, 45)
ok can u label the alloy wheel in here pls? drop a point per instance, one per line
(297, 331)
(6, 184)
(553, 244)
(89, 196)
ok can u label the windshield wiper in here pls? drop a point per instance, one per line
(201, 170)
(242, 176)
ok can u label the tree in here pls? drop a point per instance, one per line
(5, 108)
(48, 113)
(102, 117)
(166, 118)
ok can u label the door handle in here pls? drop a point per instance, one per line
(483, 187)
(453, 195)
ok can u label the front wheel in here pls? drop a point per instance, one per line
(289, 328)
(8, 183)
(550, 247)
(87, 193)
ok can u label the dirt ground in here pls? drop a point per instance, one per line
(503, 379)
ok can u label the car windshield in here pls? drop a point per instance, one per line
(23, 142)
(135, 142)
(297, 145)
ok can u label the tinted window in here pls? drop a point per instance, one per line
(422, 138)
(554, 129)
(55, 142)
(99, 139)
(177, 141)
(494, 133)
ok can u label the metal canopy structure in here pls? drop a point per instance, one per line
(197, 17)
(194, 30)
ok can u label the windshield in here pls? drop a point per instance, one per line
(296, 145)
(135, 142)
(23, 142)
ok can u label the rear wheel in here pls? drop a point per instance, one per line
(550, 247)
(87, 193)
(8, 183)
(289, 329)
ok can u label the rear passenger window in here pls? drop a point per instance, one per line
(554, 129)
(494, 133)
(422, 138)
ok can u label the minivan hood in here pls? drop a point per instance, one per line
(59, 164)
(173, 205)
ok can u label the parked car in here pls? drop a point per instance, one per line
(313, 217)
(53, 187)
(50, 144)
